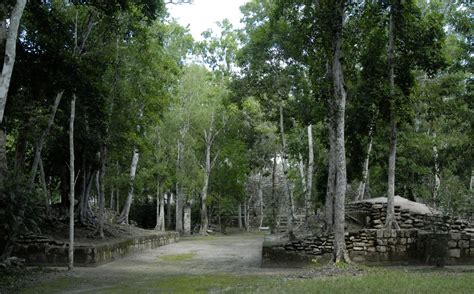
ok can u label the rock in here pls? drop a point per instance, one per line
(456, 253)
(381, 249)
(455, 236)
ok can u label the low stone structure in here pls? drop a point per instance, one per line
(37, 250)
(424, 238)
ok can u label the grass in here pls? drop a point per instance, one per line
(377, 280)
(178, 257)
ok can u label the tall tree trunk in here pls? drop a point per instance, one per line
(309, 210)
(160, 209)
(123, 219)
(47, 198)
(331, 183)
(168, 208)
(260, 198)
(436, 172)
(239, 216)
(246, 215)
(71, 183)
(103, 158)
(207, 172)
(284, 160)
(340, 252)
(42, 138)
(390, 221)
(112, 195)
(273, 223)
(178, 207)
(471, 183)
(10, 54)
(365, 169)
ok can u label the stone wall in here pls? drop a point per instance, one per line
(46, 252)
(372, 216)
(372, 246)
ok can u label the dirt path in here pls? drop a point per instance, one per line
(237, 254)
(232, 255)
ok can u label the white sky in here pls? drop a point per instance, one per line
(203, 14)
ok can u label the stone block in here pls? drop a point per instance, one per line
(387, 233)
(381, 249)
(455, 236)
(455, 253)
(356, 248)
(452, 244)
(464, 244)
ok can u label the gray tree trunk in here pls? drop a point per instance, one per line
(10, 54)
(284, 160)
(123, 219)
(207, 172)
(365, 170)
(260, 197)
(71, 183)
(160, 209)
(168, 208)
(340, 252)
(331, 183)
(390, 221)
(436, 177)
(273, 223)
(47, 197)
(309, 210)
(239, 217)
(103, 158)
(42, 138)
(471, 183)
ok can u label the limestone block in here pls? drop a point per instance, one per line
(456, 253)
(381, 249)
(455, 236)
(452, 244)
(463, 244)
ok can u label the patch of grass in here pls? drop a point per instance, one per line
(178, 257)
(378, 280)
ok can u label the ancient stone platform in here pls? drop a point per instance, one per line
(42, 251)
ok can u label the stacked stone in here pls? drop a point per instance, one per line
(378, 214)
(395, 240)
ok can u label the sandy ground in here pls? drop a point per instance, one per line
(236, 254)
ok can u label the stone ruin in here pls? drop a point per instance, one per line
(425, 237)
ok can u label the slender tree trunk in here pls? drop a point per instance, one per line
(160, 209)
(290, 215)
(207, 172)
(45, 189)
(260, 198)
(10, 54)
(391, 222)
(309, 210)
(103, 158)
(331, 183)
(71, 183)
(273, 223)
(471, 183)
(340, 252)
(239, 216)
(117, 200)
(246, 215)
(436, 178)
(365, 170)
(123, 219)
(112, 195)
(42, 138)
(170, 195)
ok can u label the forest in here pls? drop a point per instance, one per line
(111, 113)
